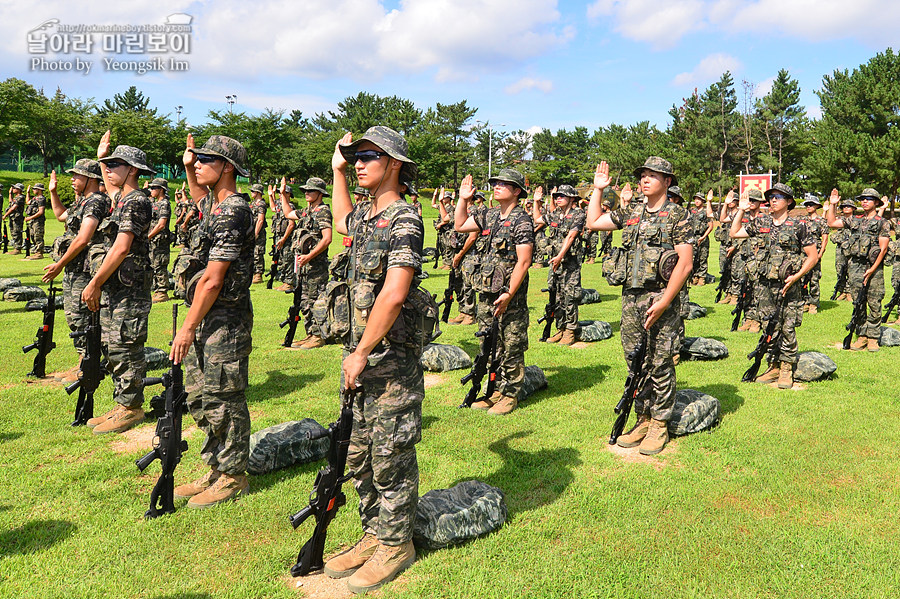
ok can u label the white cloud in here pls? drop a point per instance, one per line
(661, 23)
(814, 111)
(534, 130)
(762, 89)
(527, 83)
(709, 69)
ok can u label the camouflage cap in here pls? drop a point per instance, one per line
(847, 203)
(87, 168)
(391, 142)
(159, 182)
(411, 189)
(657, 165)
(480, 194)
(39, 186)
(675, 191)
(315, 184)
(361, 191)
(448, 195)
(256, 187)
(567, 191)
(869, 192)
(779, 188)
(811, 200)
(228, 149)
(289, 190)
(698, 195)
(133, 156)
(510, 175)
(19, 186)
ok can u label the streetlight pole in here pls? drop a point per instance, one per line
(231, 100)
(490, 143)
(178, 110)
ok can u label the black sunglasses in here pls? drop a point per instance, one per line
(777, 196)
(365, 156)
(206, 158)
(111, 164)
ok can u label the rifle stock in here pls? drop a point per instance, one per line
(43, 339)
(273, 269)
(550, 309)
(633, 385)
(841, 282)
(743, 302)
(768, 341)
(485, 364)
(858, 318)
(293, 317)
(91, 372)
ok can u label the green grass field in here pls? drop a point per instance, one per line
(795, 494)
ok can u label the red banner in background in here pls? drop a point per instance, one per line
(760, 182)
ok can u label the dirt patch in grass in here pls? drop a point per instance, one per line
(766, 509)
(633, 456)
(319, 586)
(580, 345)
(797, 386)
(432, 379)
(141, 439)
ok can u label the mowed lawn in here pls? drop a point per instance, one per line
(794, 494)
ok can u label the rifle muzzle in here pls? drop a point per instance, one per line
(301, 516)
(153, 380)
(73, 387)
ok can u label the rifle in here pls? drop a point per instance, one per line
(27, 241)
(895, 301)
(273, 270)
(437, 249)
(768, 341)
(550, 309)
(293, 317)
(91, 372)
(487, 362)
(5, 238)
(43, 339)
(447, 302)
(841, 283)
(633, 385)
(606, 245)
(743, 302)
(725, 276)
(858, 318)
(168, 446)
(326, 497)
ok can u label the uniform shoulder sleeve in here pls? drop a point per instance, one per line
(136, 213)
(324, 218)
(523, 228)
(682, 232)
(406, 239)
(621, 215)
(230, 227)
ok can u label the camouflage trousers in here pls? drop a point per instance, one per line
(723, 256)
(77, 314)
(755, 311)
(447, 249)
(811, 281)
(387, 424)
(259, 254)
(895, 271)
(312, 281)
(36, 232)
(541, 248)
(513, 339)
(16, 229)
(215, 378)
(467, 296)
(568, 294)
(605, 242)
(590, 244)
(855, 275)
(123, 327)
(657, 398)
(286, 273)
(738, 270)
(768, 292)
(701, 259)
(159, 262)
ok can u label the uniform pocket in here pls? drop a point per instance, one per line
(400, 431)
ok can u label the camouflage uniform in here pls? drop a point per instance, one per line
(782, 244)
(36, 226)
(17, 220)
(448, 240)
(568, 275)
(699, 222)
(723, 236)
(387, 421)
(894, 253)
(313, 276)
(817, 228)
(182, 207)
(590, 244)
(840, 238)
(645, 237)
(468, 267)
(286, 272)
(259, 207)
(863, 240)
(502, 236)
(541, 243)
(160, 245)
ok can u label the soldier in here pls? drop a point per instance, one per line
(468, 260)
(650, 303)
(282, 235)
(16, 215)
(790, 253)
(312, 236)
(444, 227)
(540, 255)
(259, 206)
(753, 255)
(123, 274)
(71, 251)
(701, 216)
(564, 225)
(727, 248)
(159, 239)
(214, 342)
(360, 194)
(818, 228)
(841, 240)
(35, 219)
(413, 197)
(502, 279)
(869, 238)
(182, 206)
(381, 354)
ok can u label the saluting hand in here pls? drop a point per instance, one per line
(338, 162)
(601, 176)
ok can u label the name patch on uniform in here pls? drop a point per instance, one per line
(486, 232)
(348, 241)
(632, 221)
(745, 220)
(764, 230)
(382, 223)
(507, 224)
(666, 213)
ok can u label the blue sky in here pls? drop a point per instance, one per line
(524, 63)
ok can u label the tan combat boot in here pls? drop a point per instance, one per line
(771, 375)
(257, 278)
(872, 344)
(504, 406)
(196, 487)
(314, 342)
(92, 422)
(568, 337)
(488, 402)
(813, 309)
(14, 252)
(701, 281)
(382, 567)
(754, 326)
(860, 343)
(225, 488)
(656, 438)
(467, 320)
(590, 260)
(745, 326)
(301, 342)
(555, 338)
(121, 421)
(786, 376)
(38, 256)
(346, 563)
(634, 437)
(160, 296)
(676, 359)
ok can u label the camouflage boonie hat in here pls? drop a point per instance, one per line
(847, 203)
(699, 195)
(510, 175)
(391, 142)
(158, 182)
(19, 186)
(480, 194)
(783, 190)
(39, 186)
(411, 189)
(257, 188)
(869, 192)
(755, 195)
(811, 200)
(566, 190)
(448, 195)
(315, 184)
(362, 191)
(227, 149)
(658, 165)
(133, 156)
(87, 168)
(675, 192)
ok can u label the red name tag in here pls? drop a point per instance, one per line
(348, 241)
(744, 220)
(666, 213)
(486, 232)
(382, 223)
(764, 229)
(554, 225)
(789, 222)
(507, 224)
(632, 221)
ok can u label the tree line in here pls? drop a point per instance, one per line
(713, 135)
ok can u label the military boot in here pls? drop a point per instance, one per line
(38, 256)
(382, 567)
(590, 260)
(301, 342)
(872, 344)
(257, 278)
(771, 375)
(504, 406)
(813, 309)
(745, 326)
(160, 296)
(14, 252)
(656, 438)
(225, 488)
(314, 342)
(196, 487)
(860, 343)
(121, 421)
(637, 433)
(568, 337)
(701, 281)
(786, 376)
(754, 327)
(92, 422)
(488, 402)
(455, 319)
(555, 338)
(346, 563)
(467, 320)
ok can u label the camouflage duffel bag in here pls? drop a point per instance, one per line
(453, 516)
(438, 357)
(285, 445)
(694, 412)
